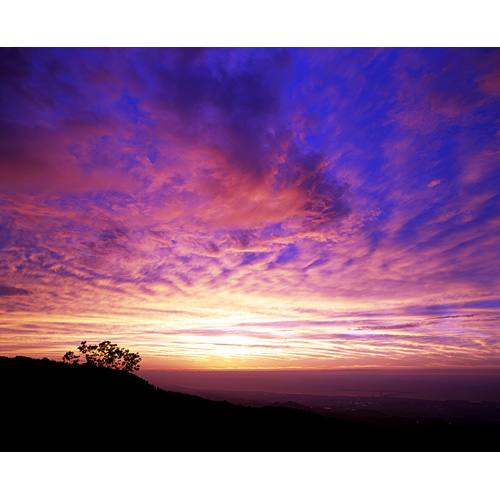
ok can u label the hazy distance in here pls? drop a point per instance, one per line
(473, 385)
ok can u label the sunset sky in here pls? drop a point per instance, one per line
(252, 208)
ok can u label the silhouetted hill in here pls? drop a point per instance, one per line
(49, 405)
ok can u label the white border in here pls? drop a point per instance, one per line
(386, 23)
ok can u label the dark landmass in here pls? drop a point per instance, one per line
(361, 408)
(52, 406)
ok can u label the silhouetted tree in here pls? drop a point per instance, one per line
(70, 357)
(105, 354)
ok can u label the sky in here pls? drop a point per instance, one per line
(259, 209)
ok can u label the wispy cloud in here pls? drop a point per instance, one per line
(6, 290)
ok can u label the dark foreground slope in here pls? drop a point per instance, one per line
(47, 405)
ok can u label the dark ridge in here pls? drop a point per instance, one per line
(53, 406)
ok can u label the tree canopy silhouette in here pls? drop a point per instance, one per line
(105, 354)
